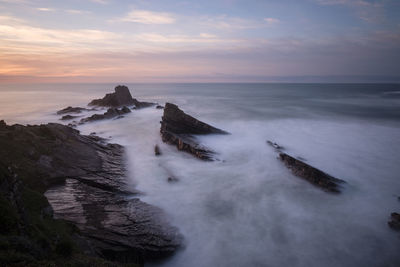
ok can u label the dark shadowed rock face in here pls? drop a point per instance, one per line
(120, 97)
(85, 182)
(311, 174)
(176, 121)
(178, 128)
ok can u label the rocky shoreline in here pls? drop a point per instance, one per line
(83, 178)
(65, 199)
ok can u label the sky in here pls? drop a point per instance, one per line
(200, 41)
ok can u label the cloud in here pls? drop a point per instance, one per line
(19, 37)
(207, 35)
(203, 38)
(103, 2)
(15, 1)
(148, 17)
(271, 20)
(359, 3)
(365, 10)
(77, 11)
(45, 9)
(224, 22)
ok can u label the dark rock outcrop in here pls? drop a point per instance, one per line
(394, 223)
(121, 97)
(84, 181)
(178, 128)
(72, 110)
(311, 174)
(176, 121)
(159, 107)
(109, 114)
(68, 117)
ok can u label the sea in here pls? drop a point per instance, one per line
(246, 208)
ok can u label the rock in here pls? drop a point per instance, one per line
(172, 179)
(157, 151)
(3, 123)
(109, 114)
(72, 110)
(178, 128)
(274, 145)
(176, 121)
(395, 221)
(68, 117)
(311, 174)
(120, 97)
(125, 109)
(159, 107)
(83, 178)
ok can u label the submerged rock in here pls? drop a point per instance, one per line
(72, 110)
(274, 145)
(178, 128)
(109, 114)
(120, 97)
(172, 179)
(157, 150)
(394, 223)
(311, 174)
(85, 182)
(159, 107)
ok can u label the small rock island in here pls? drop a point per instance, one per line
(178, 128)
(121, 97)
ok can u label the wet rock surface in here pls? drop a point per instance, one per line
(178, 128)
(121, 97)
(85, 182)
(311, 174)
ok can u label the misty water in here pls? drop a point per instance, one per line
(247, 208)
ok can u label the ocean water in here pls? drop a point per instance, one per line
(247, 209)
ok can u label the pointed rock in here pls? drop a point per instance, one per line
(178, 128)
(120, 97)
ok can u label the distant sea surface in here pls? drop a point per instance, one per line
(247, 209)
